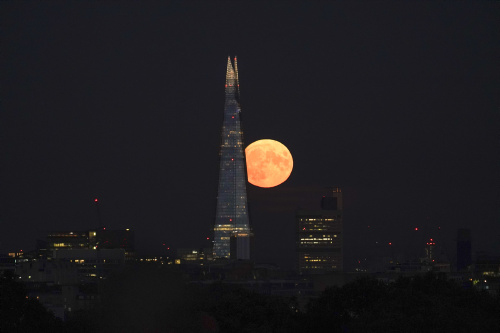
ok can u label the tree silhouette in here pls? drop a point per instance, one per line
(429, 303)
(18, 313)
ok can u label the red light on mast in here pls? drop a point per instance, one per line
(416, 229)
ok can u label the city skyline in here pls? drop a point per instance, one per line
(396, 103)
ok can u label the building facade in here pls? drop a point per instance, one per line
(58, 240)
(89, 240)
(319, 236)
(232, 210)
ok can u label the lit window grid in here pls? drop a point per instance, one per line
(320, 240)
(320, 261)
(319, 224)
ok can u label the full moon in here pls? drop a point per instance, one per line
(269, 163)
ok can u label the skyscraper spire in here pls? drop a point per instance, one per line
(236, 72)
(231, 221)
(230, 75)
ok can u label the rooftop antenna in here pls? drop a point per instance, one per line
(99, 219)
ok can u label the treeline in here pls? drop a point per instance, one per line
(152, 299)
(428, 303)
(18, 313)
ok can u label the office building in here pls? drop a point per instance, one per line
(319, 236)
(241, 243)
(232, 211)
(88, 239)
(430, 250)
(198, 256)
(70, 239)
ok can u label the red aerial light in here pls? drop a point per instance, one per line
(208, 238)
(95, 200)
(230, 220)
(416, 229)
(431, 239)
(303, 228)
(390, 243)
(163, 244)
(168, 248)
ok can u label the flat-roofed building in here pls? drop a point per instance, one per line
(88, 240)
(319, 236)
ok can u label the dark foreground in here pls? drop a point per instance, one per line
(159, 300)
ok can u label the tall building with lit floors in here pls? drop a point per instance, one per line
(319, 236)
(232, 231)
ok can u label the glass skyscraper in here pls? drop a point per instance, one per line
(232, 230)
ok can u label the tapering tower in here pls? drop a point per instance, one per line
(232, 230)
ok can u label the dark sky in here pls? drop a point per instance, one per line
(396, 102)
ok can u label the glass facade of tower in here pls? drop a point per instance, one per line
(232, 211)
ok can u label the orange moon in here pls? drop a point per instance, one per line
(269, 163)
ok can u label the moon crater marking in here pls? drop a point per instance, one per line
(269, 163)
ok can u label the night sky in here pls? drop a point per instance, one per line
(396, 102)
